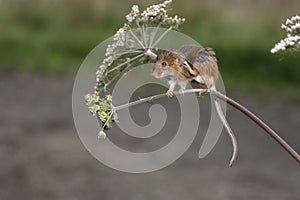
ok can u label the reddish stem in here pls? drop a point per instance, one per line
(259, 122)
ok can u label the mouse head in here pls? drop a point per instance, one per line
(167, 64)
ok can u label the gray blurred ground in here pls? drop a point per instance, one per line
(42, 157)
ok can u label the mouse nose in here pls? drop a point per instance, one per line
(156, 73)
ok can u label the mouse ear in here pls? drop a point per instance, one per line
(160, 54)
(179, 58)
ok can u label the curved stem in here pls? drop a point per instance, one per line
(158, 96)
(259, 122)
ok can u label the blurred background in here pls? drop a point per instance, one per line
(42, 44)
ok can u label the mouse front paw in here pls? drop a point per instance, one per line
(170, 93)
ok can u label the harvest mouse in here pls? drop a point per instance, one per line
(186, 64)
(190, 63)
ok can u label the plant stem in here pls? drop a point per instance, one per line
(259, 122)
(231, 102)
(158, 96)
(149, 53)
(161, 37)
(126, 62)
(137, 39)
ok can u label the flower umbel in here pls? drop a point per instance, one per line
(133, 44)
(131, 41)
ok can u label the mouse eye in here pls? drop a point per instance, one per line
(163, 64)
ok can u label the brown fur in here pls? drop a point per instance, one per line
(175, 63)
(204, 62)
(187, 63)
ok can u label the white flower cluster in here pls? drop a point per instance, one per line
(174, 20)
(157, 14)
(135, 12)
(119, 41)
(292, 26)
(153, 16)
(155, 10)
(289, 41)
(292, 39)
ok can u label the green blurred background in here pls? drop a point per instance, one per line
(54, 36)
